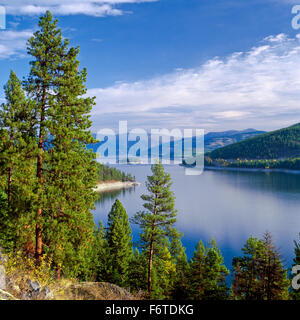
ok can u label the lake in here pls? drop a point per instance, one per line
(227, 205)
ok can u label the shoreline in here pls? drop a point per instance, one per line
(252, 169)
(115, 185)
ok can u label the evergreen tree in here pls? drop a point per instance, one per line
(138, 272)
(180, 277)
(13, 116)
(164, 269)
(65, 169)
(16, 152)
(119, 244)
(295, 294)
(208, 273)
(274, 276)
(259, 274)
(159, 218)
(5, 223)
(102, 255)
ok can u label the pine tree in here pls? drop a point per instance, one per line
(208, 273)
(246, 270)
(164, 270)
(102, 255)
(12, 125)
(65, 169)
(274, 276)
(16, 152)
(180, 277)
(138, 272)
(259, 274)
(295, 294)
(119, 243)
(158, 219)
(5, 223)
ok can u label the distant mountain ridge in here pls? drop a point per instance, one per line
(214, 140)
(279, 144)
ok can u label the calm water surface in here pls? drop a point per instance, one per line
(227, 205)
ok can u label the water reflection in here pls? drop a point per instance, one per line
(112, 195)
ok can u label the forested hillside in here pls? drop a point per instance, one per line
(214, 140)
(279, 144)
(106, 173)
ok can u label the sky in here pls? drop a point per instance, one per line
(214, 65)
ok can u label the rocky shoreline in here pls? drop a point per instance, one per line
(115, 185)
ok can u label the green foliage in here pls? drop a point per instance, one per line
(102, 255)
(295, 294)
(259, 274)
(157, 221)
(180, 289)
(106, 173)
(6, 225)
(119, 241)
(207, 273)
(66, 170)
(138, 271)
(16, 170)
(290, 164)
(283, 143)
(20, 268)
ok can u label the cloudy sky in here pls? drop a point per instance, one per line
(216, 65)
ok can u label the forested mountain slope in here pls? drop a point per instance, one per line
(279, 144)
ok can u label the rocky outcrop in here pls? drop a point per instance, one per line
(2, 272)
(93, 291)
(29, 290)
(34, 291)
(22, 287)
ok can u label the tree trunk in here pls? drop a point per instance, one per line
(150, 269)
(59, 273)
(151, 255)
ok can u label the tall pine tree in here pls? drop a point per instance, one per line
(157, 222)
(65, 169)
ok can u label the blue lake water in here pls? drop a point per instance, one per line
(227, 205)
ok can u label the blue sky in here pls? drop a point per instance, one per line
(216, 65)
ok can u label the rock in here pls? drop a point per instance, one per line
(3, 258)
(2, 271)
(97, 291)
(2, 278)
(46, 294)
(31, 291)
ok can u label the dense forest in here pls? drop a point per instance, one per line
(47, 181)
(290, 164)
(279, 144)
(106, 173)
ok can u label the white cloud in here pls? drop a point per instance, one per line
(259, 88)
(97, 8)
(231, 114)
(13, 43)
